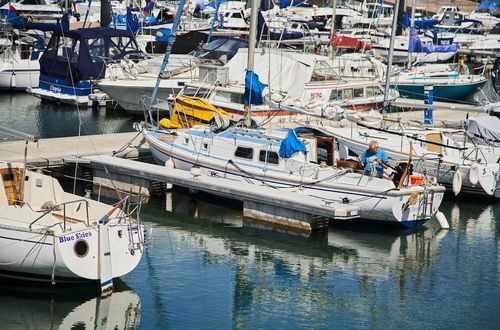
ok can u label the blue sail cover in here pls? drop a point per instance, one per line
(291, 144)
(253, 89)
(415, 45)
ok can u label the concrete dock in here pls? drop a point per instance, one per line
(281, 207)
(50, 152)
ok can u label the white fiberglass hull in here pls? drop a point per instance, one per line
(19, 77)
(43, 256)
(407, 207)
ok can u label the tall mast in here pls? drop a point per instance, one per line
(332, 28)
(391, 51)
(252, 39)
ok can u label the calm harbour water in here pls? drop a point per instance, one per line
(204, 268)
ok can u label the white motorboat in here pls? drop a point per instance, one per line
(253, 155)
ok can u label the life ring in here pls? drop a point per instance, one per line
(457, 183)
(168, 138)
(474, 174)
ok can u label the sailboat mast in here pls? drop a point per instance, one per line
(391, 52)
(252, 39)
(332, 28)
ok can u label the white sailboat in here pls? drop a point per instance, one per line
(47, 234)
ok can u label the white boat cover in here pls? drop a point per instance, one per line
(485, 128)
(282, 71)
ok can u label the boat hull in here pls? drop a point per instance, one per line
(70, 257)
(409, 208)
(443, 93)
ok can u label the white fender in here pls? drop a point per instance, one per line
(13, 79)
(457, 182)
(441, 218)
(474, 174)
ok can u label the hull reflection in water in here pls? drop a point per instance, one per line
(365, 248)
(68, 308)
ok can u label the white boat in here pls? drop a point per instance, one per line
(19, 67)
(47, 234)
(401, 51)
(253, 155)
(464, 161)
(490, 42)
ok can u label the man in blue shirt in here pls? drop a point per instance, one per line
(373, 156)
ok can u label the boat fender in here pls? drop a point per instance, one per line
(13, 79)
(441, 218)
(457, 182)
(474, 174)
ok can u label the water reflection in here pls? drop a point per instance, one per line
(271, 270)
(27, 113)
(35, 307)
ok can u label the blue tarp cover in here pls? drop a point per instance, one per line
(291, 144)
(253, 89)
(415, 45)
(488, 6)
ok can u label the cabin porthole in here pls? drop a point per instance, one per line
(81, 248)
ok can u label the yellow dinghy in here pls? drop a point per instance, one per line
(191, 110)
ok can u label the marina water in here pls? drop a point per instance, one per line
(205, 267)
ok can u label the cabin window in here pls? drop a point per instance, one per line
(347, 93)
(205, 146)
(228, 97)
(244, 152)
(68, 50)
(186, 140)
(270, 157)
(336, 95)
(372, 91)
(237, 15)
(358, 92)
(193, 91)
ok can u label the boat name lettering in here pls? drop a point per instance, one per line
(316, 95)
(55, 89)
(70, 238)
